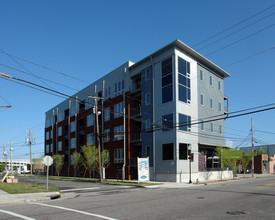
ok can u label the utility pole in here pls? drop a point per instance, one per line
(30, 141)
(97, 134)
(5, 153)
(252, 167)
(11, 149)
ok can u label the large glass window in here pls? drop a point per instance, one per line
(184, 80)
(219, 85)
(73, 143)
(184, 122)
(73, 126)
(47, 148)
(106, 135)
(47, 135)
(212, 127)
(90, 120)
(167, 122)
(118, 155)
(59, 145)
(202, 125)
(211, 80)
(167, 80)
(183, 151)
(119, 133)
(148, 125)
(147, 73)
(60, 131)
(118, 110)
(90, 139)
(148, 99)
(107, 114)
(168, 151)
(202, 99)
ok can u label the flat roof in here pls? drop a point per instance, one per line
(189, 51)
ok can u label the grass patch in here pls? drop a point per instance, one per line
(14, 188)
(92, 180)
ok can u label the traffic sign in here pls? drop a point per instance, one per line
(48, 160)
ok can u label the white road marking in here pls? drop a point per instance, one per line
(77, 211)
(16, 215)
(71, 190)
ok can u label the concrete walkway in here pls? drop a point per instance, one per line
(6, 198)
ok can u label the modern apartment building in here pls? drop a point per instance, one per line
(154, 108)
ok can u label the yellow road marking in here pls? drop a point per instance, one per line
(270, 184)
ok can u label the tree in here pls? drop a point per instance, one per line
(245, 160)
(260, 151)
(2, 167)
(36, 162)
(228, 157)
(58, 161)
(105, 158)
(90, 154)
(77, 161)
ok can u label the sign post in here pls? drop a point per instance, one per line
(143, 169)
(48, 161)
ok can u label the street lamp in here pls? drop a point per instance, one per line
(189, 157)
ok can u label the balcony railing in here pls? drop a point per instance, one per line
(135, 137)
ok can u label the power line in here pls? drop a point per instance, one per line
(237, 41)
(230, 27)
(44, 67)
(236, 31)
(246, 58)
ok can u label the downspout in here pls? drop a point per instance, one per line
(124, 129)
(102, 126)
(69, 123)
(154, 135)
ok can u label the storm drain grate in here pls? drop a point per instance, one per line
(200, 197)
(236, 213)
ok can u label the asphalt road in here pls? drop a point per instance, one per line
(246, 199)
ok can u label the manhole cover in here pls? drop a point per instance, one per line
(236, 213)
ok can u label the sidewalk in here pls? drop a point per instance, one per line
(6, 198)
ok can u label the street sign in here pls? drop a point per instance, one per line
(143, 169)
(48, 160)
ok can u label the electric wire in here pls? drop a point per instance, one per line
(234, 25)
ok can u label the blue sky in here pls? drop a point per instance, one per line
(87, 39)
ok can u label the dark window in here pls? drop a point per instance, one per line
(148, 151)
(184, 122)
(167, 80)
(81, 140)
(167, 66)
(183, 151)
(81, 106)
(184, 80)
(81, 124)
(168, 151)
(167, 94)
(66, 113)
(167, 122)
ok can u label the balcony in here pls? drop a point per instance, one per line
(135, 137)
(136, 112)
(226, 105)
